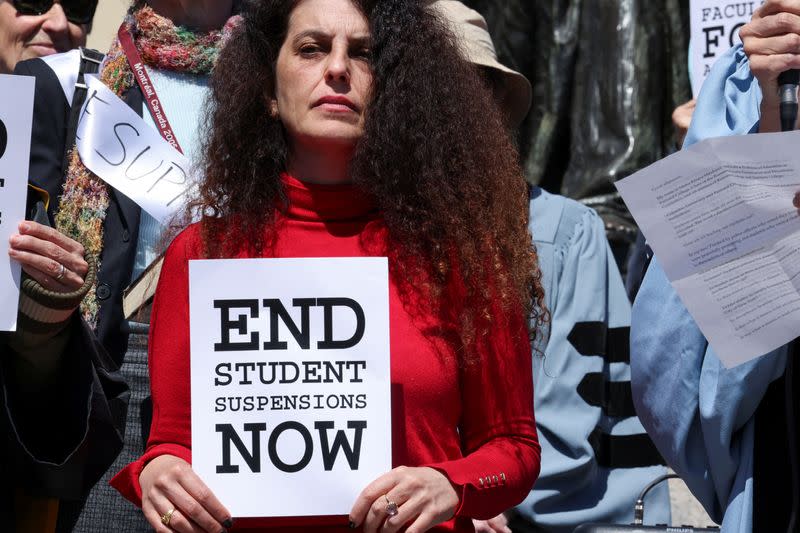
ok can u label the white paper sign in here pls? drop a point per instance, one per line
(291, 410)
(121, 148)
(720, 218)
(714, 30)
(16, 120)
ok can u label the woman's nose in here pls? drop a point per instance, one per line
(338, 68)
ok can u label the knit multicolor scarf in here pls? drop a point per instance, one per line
(162, 45)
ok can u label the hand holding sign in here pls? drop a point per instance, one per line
(171, 488)
(51, 258)
(772, 44)
(423, 497)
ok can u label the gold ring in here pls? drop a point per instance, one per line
(391, 507)
(167, 517)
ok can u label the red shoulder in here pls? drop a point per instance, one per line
(188, 244)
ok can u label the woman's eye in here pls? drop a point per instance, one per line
(363, 53)
(309, 49)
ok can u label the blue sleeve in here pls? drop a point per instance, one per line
(728, 103)
(698, 413)
(588, 307)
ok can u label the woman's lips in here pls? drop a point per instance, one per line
(336, 104)
(336, 108)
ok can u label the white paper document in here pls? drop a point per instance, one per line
(290, 381)
(720, 218)
(16, 120)
(130, 155)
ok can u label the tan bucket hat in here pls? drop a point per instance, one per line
(472, 33)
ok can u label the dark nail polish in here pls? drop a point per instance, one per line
(352, 525)
(228, 522)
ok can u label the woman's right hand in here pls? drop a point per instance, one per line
(772, 43)
(50, 257)
(169, 484)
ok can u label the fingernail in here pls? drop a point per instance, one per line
(228, 523)
(352, 525)
(24, 227)
(224, 531)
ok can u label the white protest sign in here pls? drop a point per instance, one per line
(715, 28)
(121, 148)
(16, 120)
(290, 380)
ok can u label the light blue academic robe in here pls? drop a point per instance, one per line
(582, 286)
(700, 414)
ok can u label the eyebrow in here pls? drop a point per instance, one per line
(320, 35)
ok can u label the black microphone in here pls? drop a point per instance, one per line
(787, 88)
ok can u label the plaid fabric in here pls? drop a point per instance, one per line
(106, 509)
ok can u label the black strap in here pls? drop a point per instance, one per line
(613, 397)
(596, 339)
(90, 64)
(592, 339)
(624, 451)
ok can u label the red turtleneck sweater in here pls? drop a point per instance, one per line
(474, 423)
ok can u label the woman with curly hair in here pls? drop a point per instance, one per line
(355, 128)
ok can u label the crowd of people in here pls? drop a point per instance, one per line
(370, 128)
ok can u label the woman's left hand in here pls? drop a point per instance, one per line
(424, 498)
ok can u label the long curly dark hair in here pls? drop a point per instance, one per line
(435, 157)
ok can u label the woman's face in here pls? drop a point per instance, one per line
(323, 76)
(29, 36)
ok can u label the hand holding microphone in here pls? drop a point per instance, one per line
(772, 44)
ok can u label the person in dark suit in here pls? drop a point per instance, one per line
(46, 404)
(88, 242)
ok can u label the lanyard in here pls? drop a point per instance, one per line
(147, 87)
